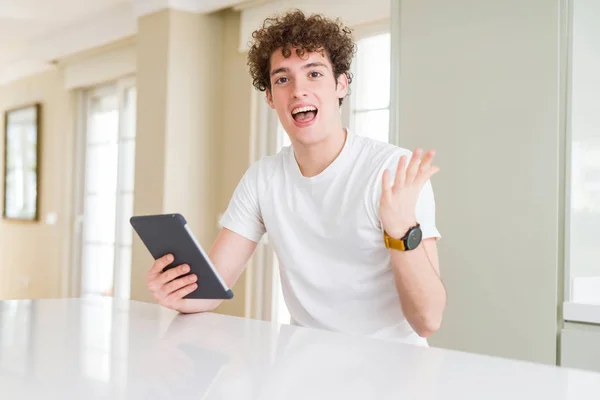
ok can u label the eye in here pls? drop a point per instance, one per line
(315, 74)
(281, 80)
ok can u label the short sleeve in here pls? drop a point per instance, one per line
(425, 212)
(425, 208)
(243, 214)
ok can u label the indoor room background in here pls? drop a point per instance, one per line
(148, 107)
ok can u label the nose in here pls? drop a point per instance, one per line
(299, 89)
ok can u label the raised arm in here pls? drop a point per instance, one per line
(404, 202)
(229, 253)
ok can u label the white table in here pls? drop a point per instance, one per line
(105, 349)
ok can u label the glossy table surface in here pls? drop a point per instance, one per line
(107, 349)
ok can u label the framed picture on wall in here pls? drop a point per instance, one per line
(21, 163)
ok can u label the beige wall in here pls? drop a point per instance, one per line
(482, 88)
(193, 104)
(234, 139)
(152, 81)
(33, 255)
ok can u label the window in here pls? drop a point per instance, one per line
(21, 163)
(106, 200)
(370, 89)
(582, 278)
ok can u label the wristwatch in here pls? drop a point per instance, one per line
(410, 241)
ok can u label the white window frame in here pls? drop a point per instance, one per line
(74, 285)
(363, 32)
(572, 311)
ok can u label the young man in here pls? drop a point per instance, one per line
(352, 220)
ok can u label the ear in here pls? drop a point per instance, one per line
(269, 98)
(342, 86)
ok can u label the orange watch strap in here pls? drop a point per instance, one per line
(392, 243)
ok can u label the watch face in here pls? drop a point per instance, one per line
(414, 238)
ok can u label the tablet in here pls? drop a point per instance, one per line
(169, 234)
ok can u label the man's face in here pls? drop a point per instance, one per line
(305, 94)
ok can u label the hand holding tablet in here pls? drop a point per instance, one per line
(181, 270)
(169, 288)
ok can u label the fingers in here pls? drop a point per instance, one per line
(177, 284)
(413, 167)
(427, 170)
(172, 299)
(159, 265)
(400, 178)
(427, 160)
(171, 274)
(412, 174)
(163, 285)
(166, 291)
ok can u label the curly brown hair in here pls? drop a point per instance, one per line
(305, 33)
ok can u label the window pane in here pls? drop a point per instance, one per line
(21, 198)
(97, 271)
(109, 184)
(101, 169)
(22, 147)
(373, 124)
(125, 230)
(99, 219)
(584, 229)
(128, 159)
(129, 110)
(585, 222)
(372, 77)
(103, 123)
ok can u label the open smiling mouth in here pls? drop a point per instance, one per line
(304, 115)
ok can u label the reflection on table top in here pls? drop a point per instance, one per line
(107, 349)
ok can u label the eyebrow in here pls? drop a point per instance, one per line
(307, 66)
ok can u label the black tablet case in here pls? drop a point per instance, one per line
(166, 234)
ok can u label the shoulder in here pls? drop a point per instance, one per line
(264, 169)
(375, 155)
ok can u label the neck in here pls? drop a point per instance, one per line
(312, 160)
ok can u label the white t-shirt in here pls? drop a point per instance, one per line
(335, 269)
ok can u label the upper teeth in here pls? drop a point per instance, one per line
(303, 109)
